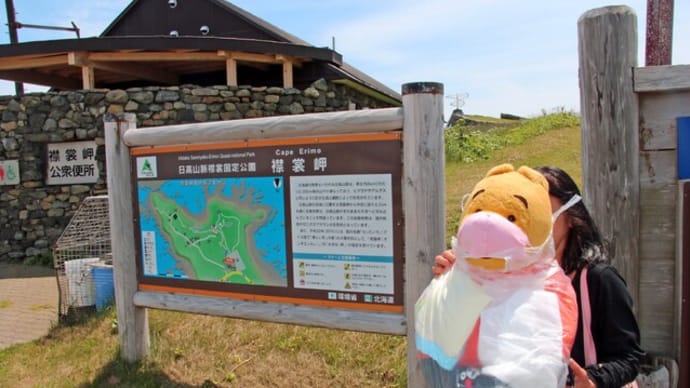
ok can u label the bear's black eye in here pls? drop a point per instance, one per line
(511, 218)
(478, 210)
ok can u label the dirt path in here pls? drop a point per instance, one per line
(28, 303)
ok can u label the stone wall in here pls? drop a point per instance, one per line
(34, 214)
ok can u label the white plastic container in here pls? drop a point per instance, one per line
(82, 291)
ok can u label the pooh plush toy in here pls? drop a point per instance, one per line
(505, 314)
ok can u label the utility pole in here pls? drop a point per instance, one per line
(459, 99)
(12, 25)
(659, 39)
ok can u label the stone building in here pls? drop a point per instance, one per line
(195, 61)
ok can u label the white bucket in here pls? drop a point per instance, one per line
(82, 291)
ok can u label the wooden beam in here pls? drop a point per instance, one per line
(231, 71)
(662, 78)
(233, 57)
(156, 56)
(249, 57)
(287, 75)
(220, 55)
(141, 71)
(684, 297)
(27, 63)
(87, 77)
(658, 113)
(296, 62)
(35, 77)
(374, 322)
(76, 58)
(309, 124)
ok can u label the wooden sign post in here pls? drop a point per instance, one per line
(354, 202)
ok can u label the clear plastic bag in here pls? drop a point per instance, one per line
(511, 328)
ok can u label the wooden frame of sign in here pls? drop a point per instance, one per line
(389, 162)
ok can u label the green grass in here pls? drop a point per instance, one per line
(559, 147)
(190, 350)
(471, 143)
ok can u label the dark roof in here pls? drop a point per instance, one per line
(242, 24)
(168, 43)
(145, 26)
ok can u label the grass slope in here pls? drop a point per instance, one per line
(559, 147)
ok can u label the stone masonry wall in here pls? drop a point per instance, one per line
(33, 214)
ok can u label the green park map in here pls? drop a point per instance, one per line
(221, 230)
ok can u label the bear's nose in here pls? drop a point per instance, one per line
(485, 233)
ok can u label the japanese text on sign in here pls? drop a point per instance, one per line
(345, 214)
(342, 233)
(72, 163)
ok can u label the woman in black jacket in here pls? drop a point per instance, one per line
(613, 325)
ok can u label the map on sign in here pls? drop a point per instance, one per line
(228, 230)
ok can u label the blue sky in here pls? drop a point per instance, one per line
(508, 56)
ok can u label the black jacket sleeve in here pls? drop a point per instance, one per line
(614, 329)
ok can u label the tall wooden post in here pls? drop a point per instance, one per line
(423, 199)
(610, 139)
(684, 258)
(133, 323)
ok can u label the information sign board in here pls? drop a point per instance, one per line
(72, 163)
(314, 221)
(9, 172)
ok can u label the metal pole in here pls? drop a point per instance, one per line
(74, 27)
(12, 25)
(659, 37)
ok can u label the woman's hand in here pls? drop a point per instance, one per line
(443, 262)
(580, 376)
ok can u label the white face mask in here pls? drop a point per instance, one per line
(571, 202)
(518, 254)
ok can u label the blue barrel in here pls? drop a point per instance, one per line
(103, 282)
(683, 124)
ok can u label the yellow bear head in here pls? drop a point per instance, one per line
(521, 197)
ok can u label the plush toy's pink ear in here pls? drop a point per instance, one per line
(501, 169)
(534, 176)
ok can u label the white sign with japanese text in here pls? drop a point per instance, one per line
(9, 172)
(72, 163)
(342, 233)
